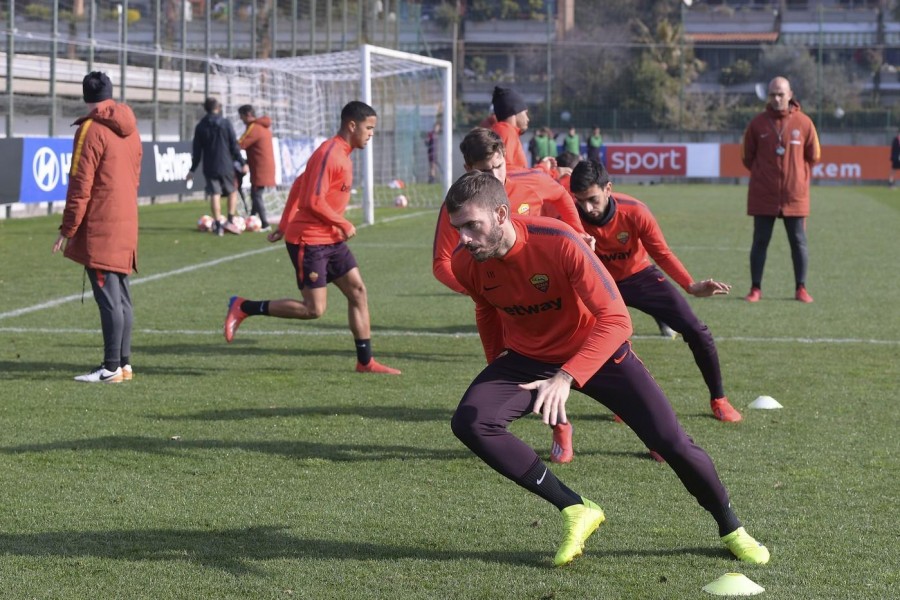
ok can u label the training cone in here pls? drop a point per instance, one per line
(733, 584)
(765, 402)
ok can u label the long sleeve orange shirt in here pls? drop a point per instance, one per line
(515, 153)
(549, 298)
(528, 190)
(629, 237)
(314, 212)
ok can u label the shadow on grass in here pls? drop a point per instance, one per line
(233, 550)
(288, 449)
(248, 347)
(387, 413)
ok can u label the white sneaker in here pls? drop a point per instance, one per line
(127, 373)
(101, 375)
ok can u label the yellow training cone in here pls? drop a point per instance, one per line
(733, 584)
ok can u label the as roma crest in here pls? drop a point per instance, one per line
(540, 281)
(523, 209)
(313, 276)
(623, 237)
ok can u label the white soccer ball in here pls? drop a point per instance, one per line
(401, 201)
(253, 223)
(239, 222)
(204, 223)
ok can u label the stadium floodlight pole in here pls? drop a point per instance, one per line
(182, 113)
(293, 28)
(312, 27)
(53, 53)
(120, 11)
(123, 75)
(681, 70)
(549, 61)
(207, 22)
(92, 24)
(230, 28)
(253, 25)
(10, 101)
(344, 26)
(328, 16)
(157, 35)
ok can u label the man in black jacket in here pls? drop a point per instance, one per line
(215, 144)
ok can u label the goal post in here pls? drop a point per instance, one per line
(304, 95)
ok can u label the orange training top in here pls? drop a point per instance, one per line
(549, 298)
(629, 234)
(528, 190)
(314, 212)
(515, 153)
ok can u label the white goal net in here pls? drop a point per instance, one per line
(402, 165)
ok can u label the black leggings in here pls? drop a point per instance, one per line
(762, 233)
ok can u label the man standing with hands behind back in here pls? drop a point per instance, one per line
(257, 142)
(780, 147)
(100, 221)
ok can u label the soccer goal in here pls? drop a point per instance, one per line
(304, 96)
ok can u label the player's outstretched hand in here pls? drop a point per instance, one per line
(708, 287)
(275, 235)
(550, 401)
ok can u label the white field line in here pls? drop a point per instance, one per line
(310, 331)
(150, 278)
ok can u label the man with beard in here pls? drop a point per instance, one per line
(627, 237)
(550, 317)
(530, 192)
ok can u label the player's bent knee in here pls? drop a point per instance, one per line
(463, 424)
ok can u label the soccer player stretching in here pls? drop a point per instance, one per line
(627, 235)
(550, 317)
(314, 230)
(530, 192)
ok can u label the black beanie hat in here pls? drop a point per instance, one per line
(96, 87)
(507, 102)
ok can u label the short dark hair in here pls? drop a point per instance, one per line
(481, 144)
(356, 111)
(210, 105)
(481, 188)
(245, 110)
(567, 159)
(588, 173)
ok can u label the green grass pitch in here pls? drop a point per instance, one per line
(269, 469)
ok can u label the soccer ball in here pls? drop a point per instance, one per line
(204, 223)
(253, 223)
(401, 201)
(396, 184)
(239, 222)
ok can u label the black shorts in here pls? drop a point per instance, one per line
(222, 186)
(317, 265)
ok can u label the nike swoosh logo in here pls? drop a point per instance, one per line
(762, 135)
(619, 360)
(493, 287)
(539, 481)
(102, 378)
(660, 278)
